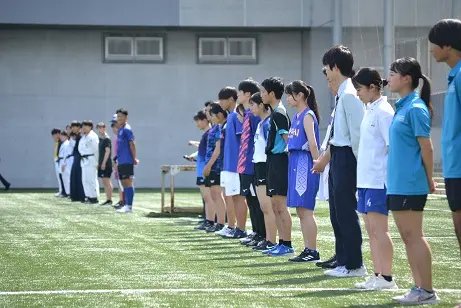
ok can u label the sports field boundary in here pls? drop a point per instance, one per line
(208, 290)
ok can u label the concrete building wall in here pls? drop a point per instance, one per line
(221, 13)
(49, 77)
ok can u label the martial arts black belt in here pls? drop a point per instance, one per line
(86, 156)
(59, 159)
(70, 155)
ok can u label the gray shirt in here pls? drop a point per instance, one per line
(348, 118)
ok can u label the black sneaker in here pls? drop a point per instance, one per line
(108, 202)
(248, 238)
(265, 245)
(7, 186)
(255, 241)
(215, 228)
(330, 263)
(204, 226)
(307, 255)
(93, 201)
(211, 227)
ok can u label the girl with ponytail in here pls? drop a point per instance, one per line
(303, 145)
(409, 172)
(371, 176)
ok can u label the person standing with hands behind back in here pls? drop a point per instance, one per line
(126, 159)
(409, 173)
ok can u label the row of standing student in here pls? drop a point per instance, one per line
(81, 157)
(387, 156)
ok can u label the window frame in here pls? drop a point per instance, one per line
(227, 58)
(134, 57)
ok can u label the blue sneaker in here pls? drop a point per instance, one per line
(267, 251)
(282, 251)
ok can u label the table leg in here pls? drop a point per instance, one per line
(172, 191)
(162, 192)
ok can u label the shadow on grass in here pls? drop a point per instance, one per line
(230, 258)
(168, 215)
(257, 264)
(375, 305)
(297, 282)
(293, 271)
(328, 293)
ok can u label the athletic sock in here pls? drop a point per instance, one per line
(280, 242)
(129, 194)
(431, 291)
(287, 243)
(387, 278)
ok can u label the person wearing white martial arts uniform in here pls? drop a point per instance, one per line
(55, 134)
(64, 168)
(89, 150)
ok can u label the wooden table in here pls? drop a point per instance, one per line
(173, 170)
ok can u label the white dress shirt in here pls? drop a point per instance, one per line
(374, 142)
(348, 117)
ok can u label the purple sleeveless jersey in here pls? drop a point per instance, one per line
(297, 138)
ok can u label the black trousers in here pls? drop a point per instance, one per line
(256, 216)
(342, 186)
(4, 182)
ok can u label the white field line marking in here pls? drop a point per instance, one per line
(212, 290)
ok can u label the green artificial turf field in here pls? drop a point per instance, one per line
(55, 253)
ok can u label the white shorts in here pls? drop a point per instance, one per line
(231, 183)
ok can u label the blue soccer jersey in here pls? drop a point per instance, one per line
(297, 138)
(124, 137)
(232, 143)
(213, 136)
(201, 154)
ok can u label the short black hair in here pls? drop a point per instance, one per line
(200, 116)
(342, 57)
(227, 92)
(208, 103)
(73, 134)
(87, 123)
(274, 84)
(75, 124)
(257, 99)
(324, 71)
(64, 133)
(216, 108)
(249, 86)
(122, 111)
(55, 131)
(446, 32)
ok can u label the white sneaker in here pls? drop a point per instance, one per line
(224, 231)
(417, 296)
(342, 272)
(382, 284)
(367, 284)
(125, 209)
(57, 194)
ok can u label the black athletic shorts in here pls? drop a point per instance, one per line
(260, 174)
(406, 203)
(277, 175)
(125, 171)
(213, 179)
(453, 190)
(106, 173)
(200, 181)
(247, 185)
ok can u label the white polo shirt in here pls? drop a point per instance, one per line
(373, 145)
